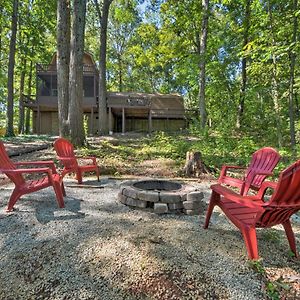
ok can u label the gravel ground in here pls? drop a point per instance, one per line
(97, 248)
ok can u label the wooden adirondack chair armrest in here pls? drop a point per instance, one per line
(29, 171)
(245, 201)
(48, 163)
(265, 185)
(66, 158)
(225, 168)
(93, 158)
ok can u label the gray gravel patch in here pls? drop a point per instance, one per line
(98, 248)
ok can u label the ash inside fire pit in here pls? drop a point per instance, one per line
(157, 185)
(162, 196)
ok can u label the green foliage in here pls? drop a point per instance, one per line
(257, 266)
(216, 148)
(153, 48)
(27, 138)
(272, 291)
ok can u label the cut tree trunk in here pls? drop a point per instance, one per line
(194, 165)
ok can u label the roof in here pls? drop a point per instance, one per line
(160, 105)
(87, 59)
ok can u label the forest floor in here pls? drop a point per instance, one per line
(97, 248)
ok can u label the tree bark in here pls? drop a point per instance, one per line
(102, 104)
(63, 63)
(76, 73)
(275, 83)
(1, 11)
(120, 73)
(292, 55)
(202, 63)
(241, 106)
(194, 165)
(21, 100)
(29, 86)
(10, 75)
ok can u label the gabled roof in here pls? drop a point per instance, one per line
(87, 59)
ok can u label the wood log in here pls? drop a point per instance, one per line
(82, 186)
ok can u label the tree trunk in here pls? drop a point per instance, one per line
(21, 100)
(1, 29)
(29, 85)
(244, 66)
(202, 54)
(102, 104)
(76, 73)
(275, 83)
(194, 165)
(120, 73)
(63, 63)
(292, 55)
(10, 75)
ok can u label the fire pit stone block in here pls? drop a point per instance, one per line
(194, 196)
(192, 205)
(148, 196)
(135, 202)
(160, 208)
(175, 206)
(169, 198)
(130, 192)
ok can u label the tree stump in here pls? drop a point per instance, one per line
(194, 165)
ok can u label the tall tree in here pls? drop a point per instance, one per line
(244, 64)
(202, 63)
(28, 111)
(21, 100)
(292, 56)
(77, 134)
(10, 74)
(102, 12)
(275, 79)
(63, 64)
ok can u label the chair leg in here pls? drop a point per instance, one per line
(290, 236)
(98, 173)
(63, 189)
(212, 202)
(250, 239)
(79, 176)
(59, 194)
(15, 196)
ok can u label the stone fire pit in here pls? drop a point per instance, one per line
(162, 196)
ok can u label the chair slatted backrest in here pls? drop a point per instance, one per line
(7, 164)
(285, 200)
(65, 149)
(264, 159)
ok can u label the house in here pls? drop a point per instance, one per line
(130, 111)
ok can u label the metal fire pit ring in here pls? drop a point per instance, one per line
(163, 196)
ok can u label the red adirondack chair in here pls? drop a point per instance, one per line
(66, 155)
(24, 186)
(262, 164)
(251, 212)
